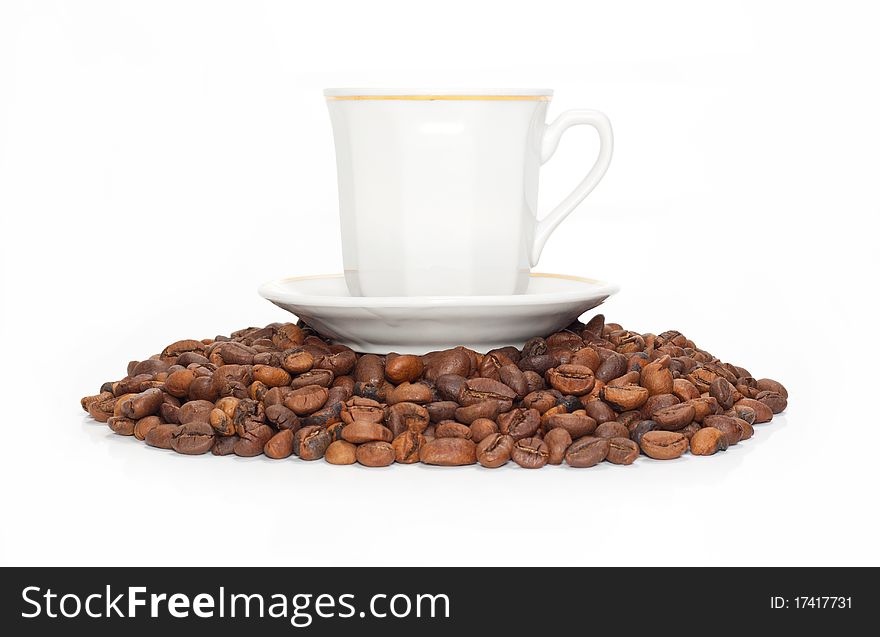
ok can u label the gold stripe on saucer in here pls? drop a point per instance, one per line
(424, 98)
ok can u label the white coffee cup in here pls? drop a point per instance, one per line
(438, 189)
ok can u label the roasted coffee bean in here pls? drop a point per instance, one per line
(280, 445)
(611, 429)
(540, 363)
(144, 425)
(407, 446)
(141, 405)
(307, 400)
(763, 413)
(341, 452)
(519, 423)
(513, 377)
(452, 429)
(530, 453)
(611, 367)
(282, 417)
(707, 441)
(193, 438)
(271, 376)
(375, 454)
(656, 377)
(684, 389)
(449, 452)
(723, 392)
(369, 369)
(224, 446)
(774, 400)
(409, 416)
(622, 450)
(557, 441)
(482, 427)
(494, 450)
(410, 393)
(599, 411)
(319, 377)
(574, 380)
(587, 451)
(362, 409)
(730, 427)
(486, 409)
(161, 436)
(640, 428)
(592, 383)
(311, 442)
(663, 445)
(624, 398)
(674, 417)
(122, 425)
(577, 424)
(365, 431)
(253, 437)
(541, 400)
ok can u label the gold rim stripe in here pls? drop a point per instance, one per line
(424, 98)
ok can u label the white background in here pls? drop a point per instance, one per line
(159, 160)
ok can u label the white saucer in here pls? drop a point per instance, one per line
(420, 324)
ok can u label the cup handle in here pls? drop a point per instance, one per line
(552, 135)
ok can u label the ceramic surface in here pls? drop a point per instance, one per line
(416, 325)
(438, 188)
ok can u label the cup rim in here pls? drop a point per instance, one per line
(438, 92)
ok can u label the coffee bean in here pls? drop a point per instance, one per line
(599, 411)
(763, 413)
(224, 446)
(253, 437)
(193, 438)
(730, 427)
(519, 423)
(494, 450)
(410, 393)
(407, 446)
(596, 384)
(774, 400)
(364, 431)
(656, 377)
(707, 441)
(482, 427)
(557, 441)
(612, 429)
(449, 452)
(161, 436)
(574, 380)
(307, 400)
(363, 410)
(452, 429)
(410, 416)
(404, 369)
(622, 451)
(624, 398)
(375, 454)
(341, 452)
(577, 424)
(587, 451)
(145, 425)
(311, 442)
(663, 445)
(530, 453)
(674, 417)
(280, 445)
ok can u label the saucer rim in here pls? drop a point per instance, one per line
(269, 291)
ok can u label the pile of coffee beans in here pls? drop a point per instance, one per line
(593, 392)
